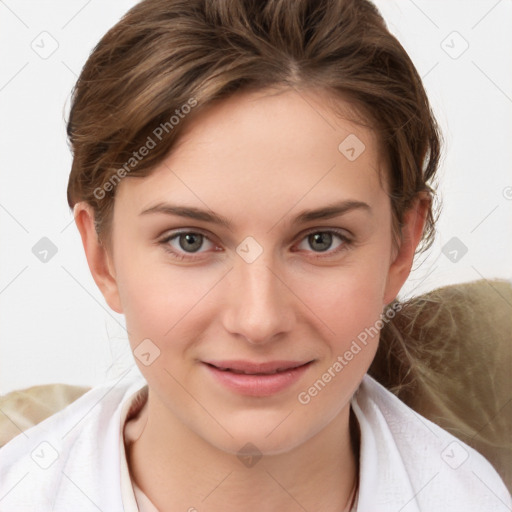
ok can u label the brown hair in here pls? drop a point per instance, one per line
(167, 57)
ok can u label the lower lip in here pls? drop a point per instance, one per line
(258, 385)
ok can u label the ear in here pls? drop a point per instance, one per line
(412, 231)
(98, 256)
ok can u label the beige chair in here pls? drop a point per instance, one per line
(447, 354)
(24, 408)
(454, 364)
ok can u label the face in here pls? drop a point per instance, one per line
(251, 261)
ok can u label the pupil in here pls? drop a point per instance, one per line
(320, 241)
(191, 242)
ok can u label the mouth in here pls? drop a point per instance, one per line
(249, 368)
(257, 379)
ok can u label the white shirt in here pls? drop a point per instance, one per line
(74, 461)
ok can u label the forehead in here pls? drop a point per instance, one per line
(270, 148)
(250, 118)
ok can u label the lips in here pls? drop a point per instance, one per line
(257, 379)
(250, 368)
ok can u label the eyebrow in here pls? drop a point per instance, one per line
(330, 211)
(326, 212)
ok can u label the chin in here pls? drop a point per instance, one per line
(266, 438)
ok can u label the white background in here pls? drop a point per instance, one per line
(55, 325)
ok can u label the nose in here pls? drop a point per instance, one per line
(259, 306)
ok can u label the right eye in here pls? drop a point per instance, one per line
(182, 243)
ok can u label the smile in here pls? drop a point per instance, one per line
(257, 379)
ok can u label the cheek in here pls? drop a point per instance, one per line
(164, 302)
(348, 299)
(350, 305)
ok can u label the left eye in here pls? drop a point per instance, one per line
(322, 241)
(189, 242)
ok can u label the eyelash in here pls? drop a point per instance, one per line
(346, 242)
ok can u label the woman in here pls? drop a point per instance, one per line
(251, 183)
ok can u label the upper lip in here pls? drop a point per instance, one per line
(253, 368)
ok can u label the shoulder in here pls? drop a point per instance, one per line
(410, 461)
(67, 459)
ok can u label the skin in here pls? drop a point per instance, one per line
(258, 159)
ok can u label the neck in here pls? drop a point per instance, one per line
(178, 470)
